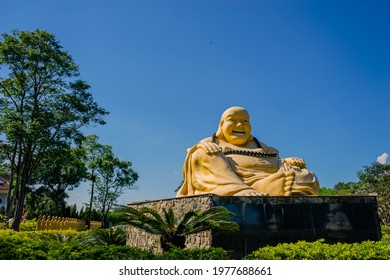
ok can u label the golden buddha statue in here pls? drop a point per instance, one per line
(234, 163)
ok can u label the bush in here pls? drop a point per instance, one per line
(29, 225)
(106, 237)
(30, 245)
(386, 234)
(68, 245)
(195, 254)
(2, 221)
(61, 245)
(318, 250)
(85, 252)
(16, 246)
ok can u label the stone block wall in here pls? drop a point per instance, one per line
(141, 239)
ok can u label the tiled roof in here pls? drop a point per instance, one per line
(4, 184)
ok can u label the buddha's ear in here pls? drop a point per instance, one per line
(219, 133)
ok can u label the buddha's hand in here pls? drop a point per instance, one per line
(250, 192)
(293, 161)
(210, 148)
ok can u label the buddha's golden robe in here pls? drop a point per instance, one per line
(226, 175)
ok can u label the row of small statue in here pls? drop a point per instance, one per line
(62, 223)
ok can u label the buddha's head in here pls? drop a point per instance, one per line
(234, 126)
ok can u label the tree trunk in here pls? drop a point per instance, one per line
(19, 207)
(103, 224)
(104, 217)
(104, 220)
(170, 242)
(21, 192)
(10, 203)
(11, 184)
(91, 200)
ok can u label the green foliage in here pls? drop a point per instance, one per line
(194, 254)
(113, 176)
(172, 230)
(106, 237)
(373, 179)
(61, 245)
(318, 250)
(327, 191)
(346, 188)
(73, 251)
(94, 214)
(340, 189)
(93, 150)
(385, 234)
(61, 170)
(68, 245)
(2, 221)
(376, 179)
(43, 107)
(28, 225)
(115, 217)
(30, 245)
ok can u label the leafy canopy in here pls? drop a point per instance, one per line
(43, 106)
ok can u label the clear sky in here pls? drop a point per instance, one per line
(314, 76)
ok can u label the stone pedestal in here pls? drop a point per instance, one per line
(272, 220)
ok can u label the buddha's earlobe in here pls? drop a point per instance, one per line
(219, 133)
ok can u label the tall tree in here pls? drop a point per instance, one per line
(341, 189)
(376, 179)
(93, 151)
(113, 177)
(42, 105)
(38, 203)
(373, 179)
(60, 171)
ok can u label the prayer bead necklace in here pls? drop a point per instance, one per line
(248, 152)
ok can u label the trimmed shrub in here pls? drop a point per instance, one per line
(195, 254)
(68, 245)
(61, 245)
(318, 250)
(29, 225)
(105, 252)
(105, 237)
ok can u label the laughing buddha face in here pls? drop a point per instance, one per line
(235, 126)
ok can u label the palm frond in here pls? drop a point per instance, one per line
(140, 219)
(170, 219)
(105, 237)
(173, 230)
(217, 217)
(155, 219)
(184, 224)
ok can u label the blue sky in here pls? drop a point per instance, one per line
(314, 76)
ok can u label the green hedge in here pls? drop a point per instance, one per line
(195, 254)
(318, 250)
(61, 245)
(70, 245)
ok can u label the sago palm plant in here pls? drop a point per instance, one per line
(106, 237)
(173, 230)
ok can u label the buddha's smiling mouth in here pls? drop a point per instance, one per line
(241, 132)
